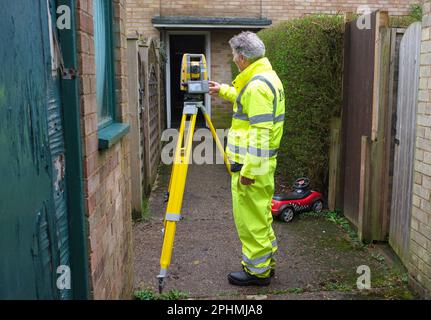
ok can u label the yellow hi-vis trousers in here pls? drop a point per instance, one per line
(253, 219)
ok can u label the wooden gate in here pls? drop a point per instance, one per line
(399, 234)
(357, 111)
(368, 139)
(366, 127)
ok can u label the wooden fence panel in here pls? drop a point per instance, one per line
(150, 125)
(366, 123)
(359, 56)
(137, 174)
(154, 134)
(405, 141)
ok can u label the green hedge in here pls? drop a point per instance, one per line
(307, 55)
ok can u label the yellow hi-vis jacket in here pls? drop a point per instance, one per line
(258, 117)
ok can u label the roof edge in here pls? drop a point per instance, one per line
(213, 22)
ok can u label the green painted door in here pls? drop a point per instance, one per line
(33, 216)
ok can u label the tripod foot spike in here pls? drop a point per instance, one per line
(161, 284)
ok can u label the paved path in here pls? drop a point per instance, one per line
(315, 260)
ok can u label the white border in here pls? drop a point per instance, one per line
(168, 68)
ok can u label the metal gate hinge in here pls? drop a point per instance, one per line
(68, 73)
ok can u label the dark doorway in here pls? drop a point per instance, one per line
(180, 44)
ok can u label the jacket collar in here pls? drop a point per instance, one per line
(259, 66)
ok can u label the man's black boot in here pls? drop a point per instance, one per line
(242, 278)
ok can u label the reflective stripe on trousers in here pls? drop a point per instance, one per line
(253, 265)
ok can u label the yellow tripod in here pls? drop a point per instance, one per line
(178, 180)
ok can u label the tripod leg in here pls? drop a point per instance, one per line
(217, 140)
(177, 149)
(177, 186)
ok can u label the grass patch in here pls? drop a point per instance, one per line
(295, 290)
(312, 214)
(342, 222)
(281, 291)
(391, 277)
(145, 213)
(378, 257)
(148, 294)
(339, 220)
(338, 286)
(145, 208)
(392, 284)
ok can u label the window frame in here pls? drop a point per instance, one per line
(110, 76)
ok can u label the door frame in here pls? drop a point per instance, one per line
(168, 68)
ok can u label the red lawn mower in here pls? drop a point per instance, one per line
(284, 206)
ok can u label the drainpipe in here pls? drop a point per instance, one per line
(78, 228)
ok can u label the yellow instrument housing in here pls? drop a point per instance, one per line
(193, 68)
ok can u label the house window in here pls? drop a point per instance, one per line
(103, 47)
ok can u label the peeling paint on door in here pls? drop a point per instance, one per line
(34, 235)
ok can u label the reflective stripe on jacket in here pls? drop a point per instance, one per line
(258, 117)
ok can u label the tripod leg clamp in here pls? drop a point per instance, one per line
(173, 217)
(190, 108)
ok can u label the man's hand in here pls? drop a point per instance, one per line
(214, 87)
(246, 181)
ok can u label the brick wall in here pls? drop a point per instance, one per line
(107, 173)
(140, 13)
(221, 57)
(420, 239)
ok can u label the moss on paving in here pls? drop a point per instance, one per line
(334, 249)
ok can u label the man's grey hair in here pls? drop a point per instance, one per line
(249, 45)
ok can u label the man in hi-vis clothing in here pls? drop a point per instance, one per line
(253, 141)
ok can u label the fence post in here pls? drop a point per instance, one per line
(135, 155)
(379, 182)
(334, 188)
(364, 217)
(382, 24)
